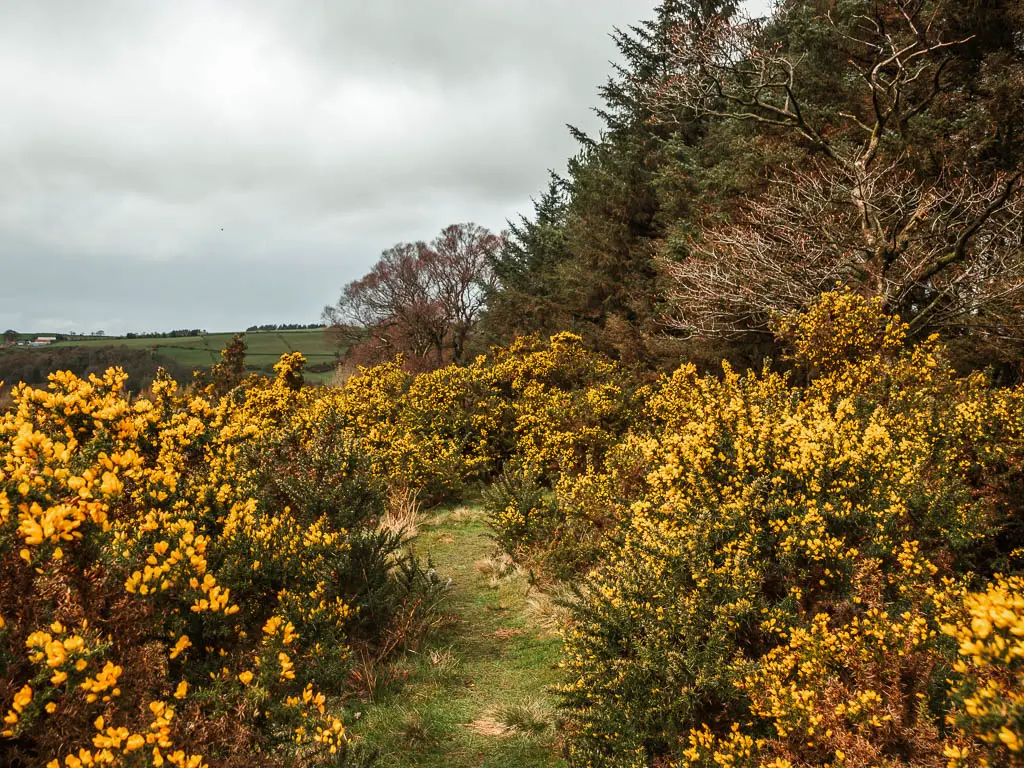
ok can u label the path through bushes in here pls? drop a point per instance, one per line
(476, 694)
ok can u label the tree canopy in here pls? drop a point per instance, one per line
(746, 165)
(422, 300)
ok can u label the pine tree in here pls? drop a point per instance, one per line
(586, 259)
(529, 297)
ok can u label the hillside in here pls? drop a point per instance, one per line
(183, 354)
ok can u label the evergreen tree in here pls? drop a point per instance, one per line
(528, 295)
(739, 173)
(586, 260)
(890, 135)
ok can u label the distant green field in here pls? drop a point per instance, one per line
(263, 348)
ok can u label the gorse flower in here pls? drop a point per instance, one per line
(140, 516)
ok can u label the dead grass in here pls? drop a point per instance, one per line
(403, 513)
(506, 632)
(462, 514)
(499, 569)
(530, 719)
(444, 660)
(550, 610)
(488, 726)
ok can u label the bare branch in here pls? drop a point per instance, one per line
(804, 237)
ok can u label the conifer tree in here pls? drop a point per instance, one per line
(586, 259)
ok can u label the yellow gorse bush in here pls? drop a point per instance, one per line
(138, 574)
(549, 403)
(183, 550)
(989, 694)
(793, 560)
(822, 573)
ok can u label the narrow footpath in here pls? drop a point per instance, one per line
(475, 695)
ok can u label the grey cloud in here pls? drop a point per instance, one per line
(153, 152)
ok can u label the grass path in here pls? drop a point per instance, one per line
(475, 695)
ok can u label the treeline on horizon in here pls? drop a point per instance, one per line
(285, 327)
(33, 365)
(743, 167)
(12, 335)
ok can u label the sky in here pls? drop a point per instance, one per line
(217, 164)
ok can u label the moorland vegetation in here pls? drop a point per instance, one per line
(744, 395)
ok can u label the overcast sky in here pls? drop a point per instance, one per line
(220, 163)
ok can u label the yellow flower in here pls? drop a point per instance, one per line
(181, 645)
(1010, 739)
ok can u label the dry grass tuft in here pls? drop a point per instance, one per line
(462, 514)
(444, 660)
(447, 516)
(345, 371)
(403, 513)
(551, 610)
(499, 568)
(530, 719)
(488, 726)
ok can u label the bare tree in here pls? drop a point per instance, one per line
(943, 249)
(421, 299)
(459, 267)
(951, 260)
(394, 303)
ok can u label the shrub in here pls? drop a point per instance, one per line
(567, 408)
(788, 562)
(519, 509)
(551, 404)
(563, 531)
(183, 579)
(569, 405)
(988, 697)
(421, 433)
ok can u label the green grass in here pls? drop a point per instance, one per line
(264, 348)
(476, 694)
